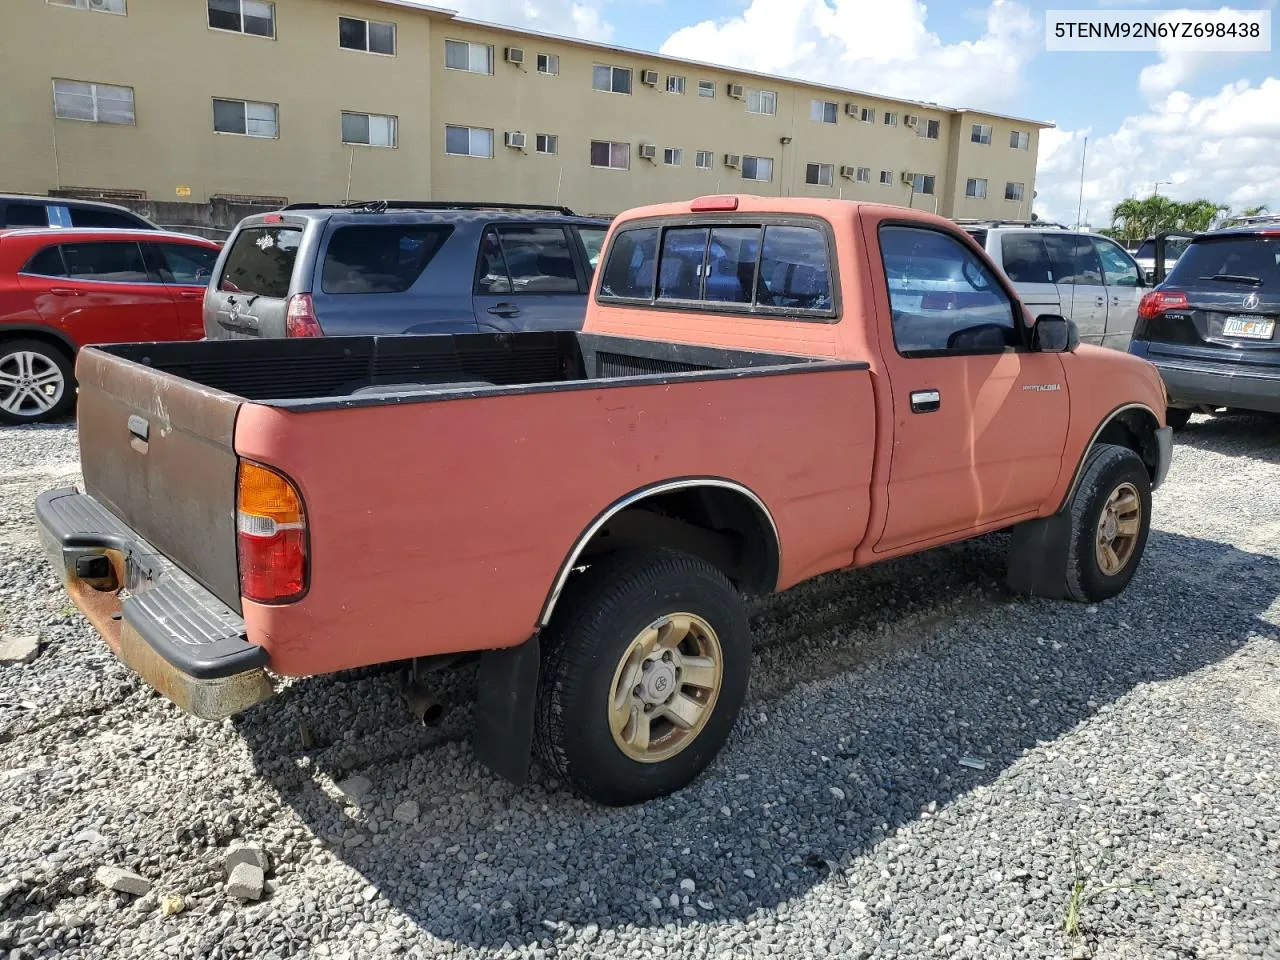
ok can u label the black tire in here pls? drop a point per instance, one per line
(602, 612)
(1107, 468)
(16, 408)
(1176, 417)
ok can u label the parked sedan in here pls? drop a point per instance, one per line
(61, 289)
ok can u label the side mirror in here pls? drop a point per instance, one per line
(1054, 334)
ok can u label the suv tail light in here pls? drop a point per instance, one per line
(300, 317)
(1158, 301)
(271, 535)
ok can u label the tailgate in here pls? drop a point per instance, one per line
(157, 451)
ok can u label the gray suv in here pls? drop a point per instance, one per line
(1084, 277)
(390, 267)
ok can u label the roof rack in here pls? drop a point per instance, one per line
(982, 222)
(1253, 221)
(380, 206)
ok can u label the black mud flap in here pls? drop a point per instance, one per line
(508, 687)
(1038, 557)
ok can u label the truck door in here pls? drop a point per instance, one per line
(980, 421)
(1125, 288)
(1079, 275)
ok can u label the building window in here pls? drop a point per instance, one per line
(976, 188)
(704, 160)
(246, 118)
(468, 141)
(928, 129)
(822, 111)
(673, 156)
(614, 156)
(980, 133)
(923, 183)
(368, 36)
(102, 6)
(675, 85)
(863, 175)
(1013, 191)
(471, 57)
(707, 89)
(867, 115)
(549, 63)
(254, 17)
(97, 102)
(819, 174)
(1019, 139)
(546, 143)
(762, 102)
(886, 178)
(757, 168)
(609, 79)
(891, 118)
(370, 129)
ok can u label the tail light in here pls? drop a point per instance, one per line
(1158, 301)
(271, 536)
(300, 317)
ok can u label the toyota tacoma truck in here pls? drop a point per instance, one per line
(765, 390)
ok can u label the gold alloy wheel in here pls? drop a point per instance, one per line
(1118, 529)
(665, 688)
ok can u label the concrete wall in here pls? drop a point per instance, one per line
(165, 50)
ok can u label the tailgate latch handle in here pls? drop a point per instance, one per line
(139, 433)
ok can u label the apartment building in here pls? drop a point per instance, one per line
(334, 99)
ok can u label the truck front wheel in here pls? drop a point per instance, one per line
(644, 670)
(1110, 520)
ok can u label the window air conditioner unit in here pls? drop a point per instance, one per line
(908, 176)
(736, 91)
(515, 55)
(514, 139)
(851, 110)
(648, 151)
(848, 172)
(733, 160)
(910, 120)
(649, 78)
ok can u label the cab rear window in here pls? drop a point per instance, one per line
(261, 261)
(768, 268)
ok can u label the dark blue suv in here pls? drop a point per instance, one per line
(388, 267)
(1213, 326)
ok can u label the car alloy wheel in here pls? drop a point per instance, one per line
(30, 384)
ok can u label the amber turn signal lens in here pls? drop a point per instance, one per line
(271, 536)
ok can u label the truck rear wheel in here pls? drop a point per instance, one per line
(644, 670)
(1110, 520)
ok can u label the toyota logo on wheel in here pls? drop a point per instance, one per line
(1251, 302)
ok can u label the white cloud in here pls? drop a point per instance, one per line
(1223, 147)
(565, 17)
(879, 45)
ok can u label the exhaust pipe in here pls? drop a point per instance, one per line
(426, 709)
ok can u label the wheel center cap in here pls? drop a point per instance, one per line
(659, 682)
(1110, 527)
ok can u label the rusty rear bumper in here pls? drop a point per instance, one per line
(171, 631)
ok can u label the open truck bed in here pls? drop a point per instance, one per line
(468, 466)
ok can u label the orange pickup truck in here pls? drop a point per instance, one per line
(765, 390)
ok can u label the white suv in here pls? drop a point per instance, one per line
(1084, 277)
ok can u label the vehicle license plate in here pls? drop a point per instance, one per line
(1252, 328)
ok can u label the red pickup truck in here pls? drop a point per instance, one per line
(765, 390)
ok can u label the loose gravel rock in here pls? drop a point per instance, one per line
(1128, 750)
(19, 649)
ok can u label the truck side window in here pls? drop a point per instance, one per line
(1074, 260)
(539, 260)
(793, 269)
(943, 298)
(1025, 258)
(632, 265)
(1118, 270)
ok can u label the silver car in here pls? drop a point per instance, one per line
(1084, 277)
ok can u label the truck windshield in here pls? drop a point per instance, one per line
(260, 262)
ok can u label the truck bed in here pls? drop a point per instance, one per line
(329, 372)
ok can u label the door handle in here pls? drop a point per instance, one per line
(65, 292)
(505, 310)
(925, 401)
(1115, 301)
(1101, 301)
(192, 294)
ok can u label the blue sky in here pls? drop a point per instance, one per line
(1210, 123)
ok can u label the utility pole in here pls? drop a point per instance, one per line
(1156, 191)
(1080, 200)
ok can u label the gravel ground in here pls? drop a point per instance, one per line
(1128, 752)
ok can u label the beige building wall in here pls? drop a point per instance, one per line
(176, 65)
